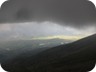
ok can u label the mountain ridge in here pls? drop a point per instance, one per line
(78, 56)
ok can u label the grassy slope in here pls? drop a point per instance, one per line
(79, 56)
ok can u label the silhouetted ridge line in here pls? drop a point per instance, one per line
(79, 56)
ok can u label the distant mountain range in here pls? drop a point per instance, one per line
(78, 56)
(12, 48)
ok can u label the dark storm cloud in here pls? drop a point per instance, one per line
(70, 12)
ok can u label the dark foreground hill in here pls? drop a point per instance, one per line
(79, 56)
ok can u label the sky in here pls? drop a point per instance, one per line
(75, 12)
(47, 18)
(43, 30)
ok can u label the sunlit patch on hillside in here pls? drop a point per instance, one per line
(59, 37)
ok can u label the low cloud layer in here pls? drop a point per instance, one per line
(44, 29)
(76, 13)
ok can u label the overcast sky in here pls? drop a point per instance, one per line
(75, 13)
(39, 30)
(48, 17)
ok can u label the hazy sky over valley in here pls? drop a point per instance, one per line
(43, 29)
(41, 18)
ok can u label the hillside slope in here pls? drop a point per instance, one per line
(79, 56)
